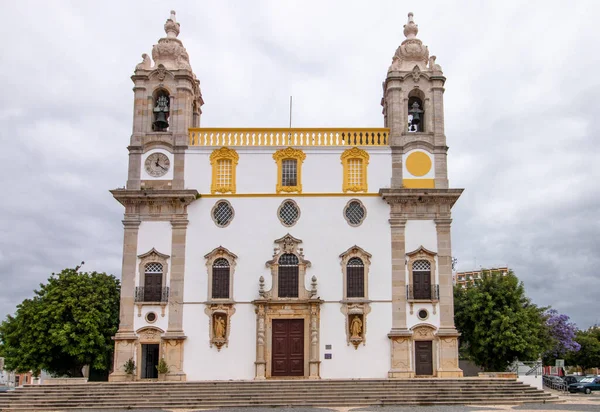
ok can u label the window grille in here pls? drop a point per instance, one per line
(224, 173)
(288, 276)
(222, 213)
(355, 172)
(220, 279)
(355, 213)
(289, 172)
(154, 268)
(289, 213)
(355, 278)
(421, 265)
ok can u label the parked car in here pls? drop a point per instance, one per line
(586, 385)
(554, 382)
(569, 379)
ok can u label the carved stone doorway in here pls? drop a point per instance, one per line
(149, 361)
(424, 358)
(288, 347)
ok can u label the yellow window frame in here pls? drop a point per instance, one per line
(351, 154)
(224, 153)
(291, 154)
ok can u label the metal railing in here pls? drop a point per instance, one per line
(147, 294)
(207, 136)
(432, 294)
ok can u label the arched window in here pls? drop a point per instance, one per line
(288, 276)
(421, 272)
(416, 111)
(153, 278)
(220, 279)
(355, 276)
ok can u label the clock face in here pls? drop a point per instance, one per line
(157, 164)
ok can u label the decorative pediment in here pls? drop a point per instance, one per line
(220, 252)
(289, 153)
(224, 153)
(421, 251)
(149, 334)
(355, 251)
(354, 153)
(288, 244)
(423, 331)
(153, 253)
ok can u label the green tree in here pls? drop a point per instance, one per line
(66, 325)
(588, 356)
(498, 322)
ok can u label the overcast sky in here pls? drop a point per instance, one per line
(522, 107)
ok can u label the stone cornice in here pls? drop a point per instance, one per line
(420, 196)
(128, 197)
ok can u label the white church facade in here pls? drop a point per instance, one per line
(274, 253)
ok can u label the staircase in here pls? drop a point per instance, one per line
(213, 394)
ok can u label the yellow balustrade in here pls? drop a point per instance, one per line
(209, 136)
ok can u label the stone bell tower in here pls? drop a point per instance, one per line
(167, 101)
(420, 214)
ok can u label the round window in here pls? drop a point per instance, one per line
(423, 314)
(288, 213)
(150, 317)
(355, 212)
(222, 213)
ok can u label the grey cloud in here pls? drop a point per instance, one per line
(521, 105)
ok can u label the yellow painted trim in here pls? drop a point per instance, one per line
(418, 183)
(209, 195)
(289, 154)
(418, 163)
(223, 153)
(295, 136)
(363, 156)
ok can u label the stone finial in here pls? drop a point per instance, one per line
(171, 26)
(261, 287)
(313, 287)
(410, 28)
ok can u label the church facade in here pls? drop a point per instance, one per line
(274, 253)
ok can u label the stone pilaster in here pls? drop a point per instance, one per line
(135, 168)
(445, 274)
(261, 363)
(314, 362)
(125, 337)
(398, 226)
(174, 337)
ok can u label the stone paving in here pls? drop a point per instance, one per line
(575, 402)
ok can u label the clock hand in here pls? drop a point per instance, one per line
(160, 166)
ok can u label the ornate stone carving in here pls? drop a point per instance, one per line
(211, 257)
(356, 322)
(423, 331)
(411, 50)
(285, 245)
(219, 323)
(170, 51)
(149, 334)
(416, 74)
(146, 63)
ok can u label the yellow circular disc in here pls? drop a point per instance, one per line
(418, 164)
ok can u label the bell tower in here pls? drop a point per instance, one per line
(420, 211)
(167, 102)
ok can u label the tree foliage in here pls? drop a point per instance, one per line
(498, 322)
(66, 325)
(588, 356)
(561, 334)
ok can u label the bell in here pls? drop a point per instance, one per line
(160, 114)
(160, 122)
(415, 111)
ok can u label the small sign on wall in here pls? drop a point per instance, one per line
(328, 347)
(328, 356)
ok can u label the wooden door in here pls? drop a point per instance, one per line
(287, 347)
(422, 285)
(152, 287)
(149, 361)
(423, 358)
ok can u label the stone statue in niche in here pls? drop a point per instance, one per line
(220, 327)
(356, 328)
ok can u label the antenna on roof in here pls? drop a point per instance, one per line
(290, 132)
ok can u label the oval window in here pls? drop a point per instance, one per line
(355, 212)
(222, 213)
(288, 213)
